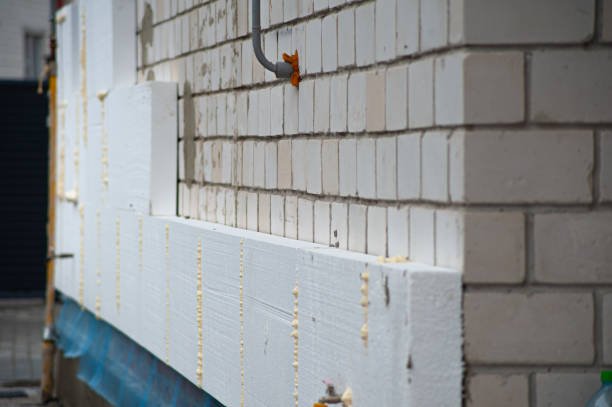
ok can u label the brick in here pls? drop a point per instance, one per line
(242, 17)
(606, 18)
(364, 34)
(259, 164)
(247, 63)
(479, 87)
(247, 163)
(270, 46)
(271, 171)
(305, 220)
(277, 215)
(377, 231)
(313, 46)
(338, 103)
(298, 164)
(230, 207)
(290, 112)
(535, 328)
(407, 23)
(605, 166)
(320, 5)
(484, 390)
(434, 165)
(305, 7)
(357, 228)
(434, 28)
(396, 105)
(449, 231)
(565, 389)
(263, 103)
(321, 105)
(386, 168)
(329, 51)
(291, 217)
(397, 231)
(357, 102)
(231, 114)
(422, 242)
(507, 166)
(276, 110)
(385, 30)
(571, 86)
(580, 251)
(409, 166)
(528, 22)
(241, 209)
(347, 167)
(313, 166)
(252, 211)
(298, 42)
(290, 10)
(306, 106)
(284, 164)
(321, 222)
(346, 37)
(375, 100)
(494, 244)
(339, 225)
(329, 167)
(242, 113)
(253, 112)
(263, 210)
(276, 12)
(606, 330)
(366, 170)
(211, 114)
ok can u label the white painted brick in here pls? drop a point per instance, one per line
(276, 110)
(409, 166)
(528, 22)
(565, 389)
(193, 200)
(305, 7)
(422, 244)
(347, 153)
(398, 231)
(231, 115)
(313, 166)
(339, 225)
(215, 71)
(456, 22)
(306, 105)
(434, 27)
(334, 3)
(434, 164)
(571, 86)
(606, 18)
(385, 29)
(276, 12)
(181, 160)
(420, 93)
(357, 228)
(357, 102)
(407, 22)
(322, 222)
(242, 17)
(507, 166)
(253, 121)
(535, 328)
(606, 334)
(242, 122)
(449, 232)
(305, 220)
(494, 247)
(298, 42)
(290, 112)
(338, 103)
(313, 46)
(284, 164)
(252, 211)
(285, 36)
(277, 215)
(227, 166)
(271, 165)
(221, 105)
(247, 62)
(364, 34)
(386, 168)
(321, 105)
(230, 207)
(329, 167)
(263, 104)
(247, 163)
(605, 166)
(377, 231)
(259, 164)
(220, 205)
(263, 210)
(270, 50)
(265, 14)
(290, 9)
(291, 217)
(580, 251)
(375, 100)
(329, 51)
(484, 390)
(366, 170)
(321, 5)
(259, 72)
(396, 106)
(346, 37)
(211, 204)
(211, 114)
(298, 164)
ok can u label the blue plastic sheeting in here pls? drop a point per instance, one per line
(120, 370)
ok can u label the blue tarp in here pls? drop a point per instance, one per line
(117, 368)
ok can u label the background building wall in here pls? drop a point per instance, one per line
(471, 134)
(17, 18)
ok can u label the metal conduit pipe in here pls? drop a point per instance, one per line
(280, 69)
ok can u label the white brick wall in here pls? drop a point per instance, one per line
(473, 134)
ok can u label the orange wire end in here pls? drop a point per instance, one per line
(294, 60)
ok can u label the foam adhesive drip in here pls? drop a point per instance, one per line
(83, 61)
(365, 277)
(104, 141)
